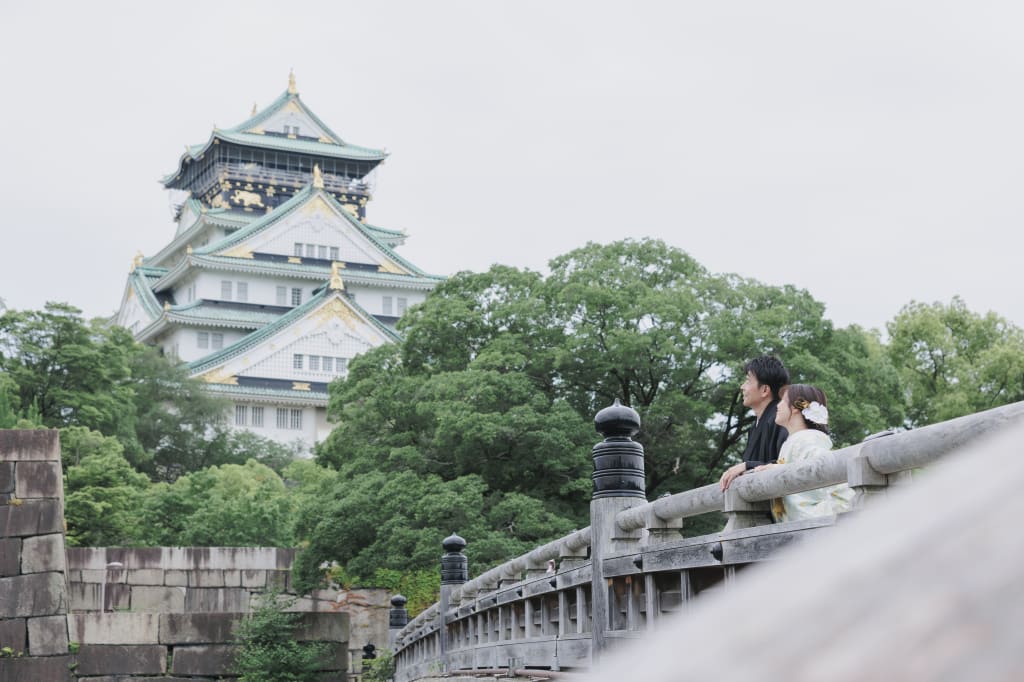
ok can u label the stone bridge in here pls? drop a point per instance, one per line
(923, 585)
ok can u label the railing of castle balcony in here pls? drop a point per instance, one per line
(639, 568)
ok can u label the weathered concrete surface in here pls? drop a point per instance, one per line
(147, 598)
(29, 444)
(87, 596)
(13, 633)
(327, 627)
(48, 635)
(253, 578)
(31, 517)
(114, 628)
(106, 659)
(183, 558)
(6, 477)
(211, 659)
(43, 553)
(10, 557)
(38, 594)
(47, 669)
(37, 479)
(198, 628)
(145, 576)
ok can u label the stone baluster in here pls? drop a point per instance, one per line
(454, 572)
(619, 484)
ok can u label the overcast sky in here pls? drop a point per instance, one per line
(869, 152)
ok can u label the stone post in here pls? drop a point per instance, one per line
(619, 484)
(398, 618)
(454, 572)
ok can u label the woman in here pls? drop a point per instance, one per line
(803, 411)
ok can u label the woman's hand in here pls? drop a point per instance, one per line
(764, 467)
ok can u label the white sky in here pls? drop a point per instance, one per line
(870, 152)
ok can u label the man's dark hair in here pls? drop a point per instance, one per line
(769, 371)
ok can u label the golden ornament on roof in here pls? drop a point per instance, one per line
(336, 282)
(291, 83)
(318, 177)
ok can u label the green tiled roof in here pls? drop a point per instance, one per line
(336, 149)
(212, 314)
(257, 337)
(268, 394)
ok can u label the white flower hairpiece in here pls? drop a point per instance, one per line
(815, 412)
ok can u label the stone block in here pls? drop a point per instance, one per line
(159, 599)
(210, 659)
(104, 575)
(232, 578)
(278, 580)
(13, 633)
(107, 659)
(205, 578)
(48, 636)
(254, 578)
(336, 657)
(37, 479)
(47, 669)
(145, 576)
(323, 627)
(38, 594)
(43, 553)
(10, 557)
(114, 628)
(217, 599)
(35, 445)
(6, 477)
(31, 517)
(176, 578)
(161, 678)
(86, 596)
(198, 628)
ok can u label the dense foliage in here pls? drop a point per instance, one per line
(268, 650)
(480, 420)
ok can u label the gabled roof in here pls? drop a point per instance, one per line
(248, 343)
(251, 133)
(305, 196)
(219, 217)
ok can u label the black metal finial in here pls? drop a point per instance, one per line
(398, 616)
(454, 564)
(618, 461)
(453, 543)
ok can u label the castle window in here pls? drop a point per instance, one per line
(225, 290)
(216, 341)
(297, 296)
(242, 291)
(328, 364)
(240, 415)
(282, 418)
(282, 295)
(387, 305)
(296, 422)
(257, 416)
(310, 250)
(321, 251)
(314, 363)
(403, 303)
(298, 249)
(202, 339)
(334, 253)
(297, 361)
(340, 365)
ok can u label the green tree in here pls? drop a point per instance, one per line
(102, 490)
(233, 504)
(268, 650)
(954, 361)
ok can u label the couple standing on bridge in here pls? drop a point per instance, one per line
(791, 425)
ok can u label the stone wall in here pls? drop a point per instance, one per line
(161, 613)
(33, 584)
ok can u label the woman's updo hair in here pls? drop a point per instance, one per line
(801, 396)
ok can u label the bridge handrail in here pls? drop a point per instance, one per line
(889, 455)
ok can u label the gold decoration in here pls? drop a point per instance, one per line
(221, 376)
(247, 199)
(317, 205)
(388, 266)
(253, 110)
(318, 177)
(271, 191)
(167, 305)
(336, 282)
(295, 259)
(352, 209)
(188, 250)
(325, 140)
(292, 107)
(336, 310)
(137, 261)
(300, 386)
(291, 83)
(239, 251)
(218, 202)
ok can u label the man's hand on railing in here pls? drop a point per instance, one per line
(730, 475)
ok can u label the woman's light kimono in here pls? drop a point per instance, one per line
(834, 499)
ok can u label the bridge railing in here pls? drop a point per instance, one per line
(639, 568)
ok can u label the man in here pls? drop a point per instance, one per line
(765, 377)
